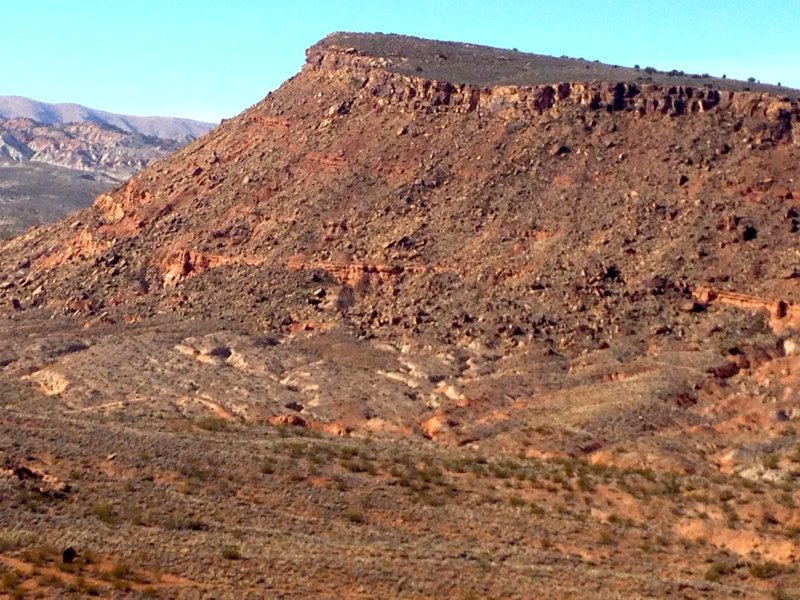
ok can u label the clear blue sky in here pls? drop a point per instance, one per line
(209, 59)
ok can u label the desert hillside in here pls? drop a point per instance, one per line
(430, 320)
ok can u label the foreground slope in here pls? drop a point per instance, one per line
(460, 300)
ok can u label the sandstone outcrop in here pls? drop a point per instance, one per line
(376, 79)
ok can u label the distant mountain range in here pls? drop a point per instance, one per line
(94, 147)
(12, 107)
(55, 158)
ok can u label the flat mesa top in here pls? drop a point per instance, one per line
(484, 65)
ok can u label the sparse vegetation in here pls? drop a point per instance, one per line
(608, 538)
(212, 424)
(765, 570)
(11, 580)
(516, 501)
(105, 512)
(718, 569)
(770, 461)
(354, 516)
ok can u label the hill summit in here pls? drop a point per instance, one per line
(476, 252)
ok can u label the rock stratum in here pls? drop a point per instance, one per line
(429, 303)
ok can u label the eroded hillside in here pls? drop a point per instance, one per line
(597, 279)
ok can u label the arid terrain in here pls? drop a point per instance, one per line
(56, 158)
(431, 320)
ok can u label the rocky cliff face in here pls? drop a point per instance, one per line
(603, 272)
(380, 82)
(352, 164)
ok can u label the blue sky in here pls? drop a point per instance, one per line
(209, 59)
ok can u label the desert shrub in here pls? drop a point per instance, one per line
(179, 522)
(585, 483)
(105, 512)
(770, 461)
(431, 499)
(193, 472)
(726, 495)
(765, 570)
(120, 571)
(355, 466)
(39, 555)
(348, 452)
(718, 569)
(11, 580)
(607, 538)
(792, 532)
(80, 586)
(231, 553)
(516, 501)
(212, 424)
(267, 466)
(14, 539)
(354, 516)
(430, 474)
